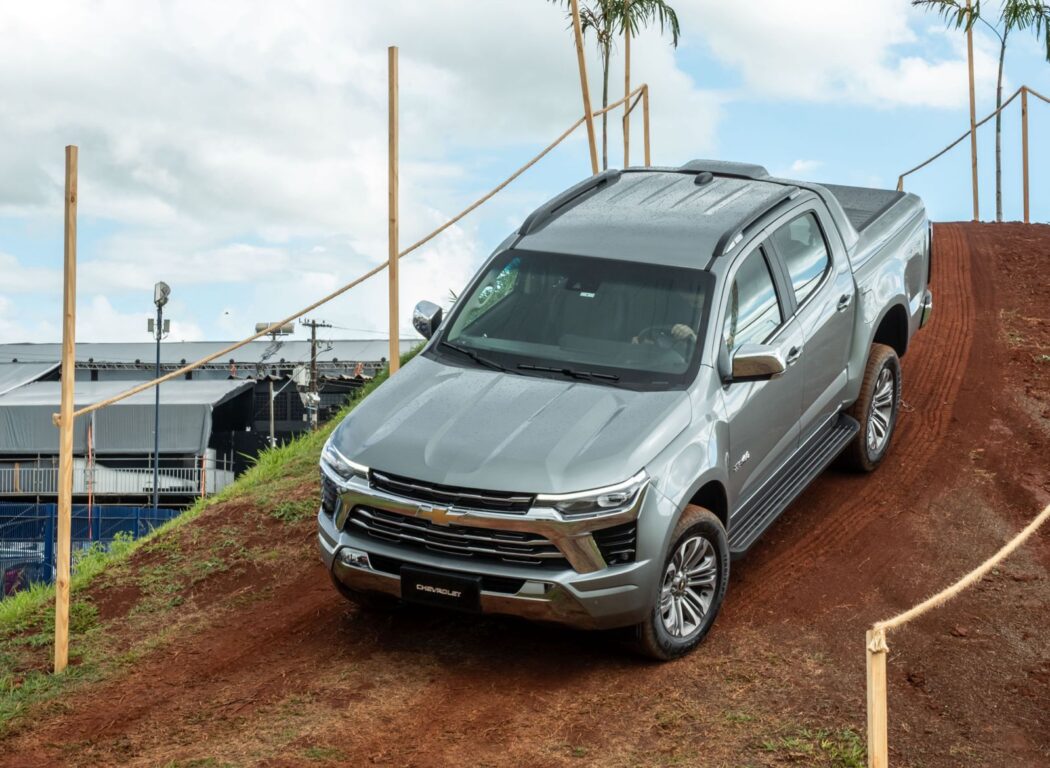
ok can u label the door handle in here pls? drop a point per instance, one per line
(844, 302)
(793, 355)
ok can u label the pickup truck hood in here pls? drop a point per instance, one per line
(499, 431)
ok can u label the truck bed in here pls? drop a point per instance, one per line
(863, 205)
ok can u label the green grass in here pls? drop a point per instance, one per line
(842, 748)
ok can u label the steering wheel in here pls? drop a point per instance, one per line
(660, 335)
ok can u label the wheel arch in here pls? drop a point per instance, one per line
(892, 328)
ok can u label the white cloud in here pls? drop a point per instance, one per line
(98, 320)
(16, 277)
(837, 51)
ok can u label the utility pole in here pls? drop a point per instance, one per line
(161, 291)
(314, 394)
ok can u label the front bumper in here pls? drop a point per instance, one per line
(587, 595)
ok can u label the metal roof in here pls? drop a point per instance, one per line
(14, 375)
(659, 216)
(123, 428)
(173, 352)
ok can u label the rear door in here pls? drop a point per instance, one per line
(763, 415)
(822, 290)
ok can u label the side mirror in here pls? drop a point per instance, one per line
(426, 318)
(757, 362)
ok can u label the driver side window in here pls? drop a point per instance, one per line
(753, 312)
(497, 287)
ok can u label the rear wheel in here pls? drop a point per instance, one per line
(876, 410)
(691, 587)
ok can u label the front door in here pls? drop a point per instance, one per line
(763, 415)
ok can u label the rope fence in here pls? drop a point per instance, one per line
(878, 737)
(641, 92)
(1023, 92)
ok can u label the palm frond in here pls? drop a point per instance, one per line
(953, 12)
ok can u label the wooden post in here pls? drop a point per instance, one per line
(392, 266)
(1024, 149)
(878, 740)
(645, 124)
(973, 119)
(627, 84)
(587, 116)
(65, 417)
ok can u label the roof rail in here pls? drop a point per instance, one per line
(727, 168)
(729, 240)
(573, 194)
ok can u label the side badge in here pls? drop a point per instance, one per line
(743, 460)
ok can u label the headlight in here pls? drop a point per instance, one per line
(611, 498)
(341, 465)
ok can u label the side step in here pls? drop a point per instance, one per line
(790, 480)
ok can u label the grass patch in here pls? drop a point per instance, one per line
(843, 748)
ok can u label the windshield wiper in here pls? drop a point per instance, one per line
(475, 356)
(572, 373)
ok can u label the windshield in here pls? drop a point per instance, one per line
(604, 320)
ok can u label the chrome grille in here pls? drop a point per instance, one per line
(485, 544)
(491, 501)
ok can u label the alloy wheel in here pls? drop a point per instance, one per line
(881, 412)
(688, 588)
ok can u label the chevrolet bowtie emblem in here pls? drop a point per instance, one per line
(436, 515)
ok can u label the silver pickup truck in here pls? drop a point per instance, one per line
(634, 386)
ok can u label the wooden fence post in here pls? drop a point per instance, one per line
(973, 120)
(392, 265)
(1024, 149)
(65, 416)
(645, 125)
(627, 84)
(878, 739)
(587, 116)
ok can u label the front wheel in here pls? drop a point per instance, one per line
(691, 587)
(876, 410)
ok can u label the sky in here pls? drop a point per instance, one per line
(237, 150)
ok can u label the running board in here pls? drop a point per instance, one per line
(790, 480)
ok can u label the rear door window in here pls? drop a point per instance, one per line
(801, 244)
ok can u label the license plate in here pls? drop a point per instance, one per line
(448, 590)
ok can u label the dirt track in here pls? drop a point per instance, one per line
(264, 664)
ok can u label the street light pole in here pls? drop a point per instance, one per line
(161, 291)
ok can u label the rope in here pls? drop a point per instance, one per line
(978, 573)
(1037, 94)
(900, 179)
(340, 291)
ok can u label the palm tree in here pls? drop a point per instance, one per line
(1015, 14)
(607, 19)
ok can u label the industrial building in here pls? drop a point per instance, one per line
(212, 421)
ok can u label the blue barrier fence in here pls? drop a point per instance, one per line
(27, 535)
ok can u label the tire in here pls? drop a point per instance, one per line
(876, 410)
(653, 637)
(374, 602)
